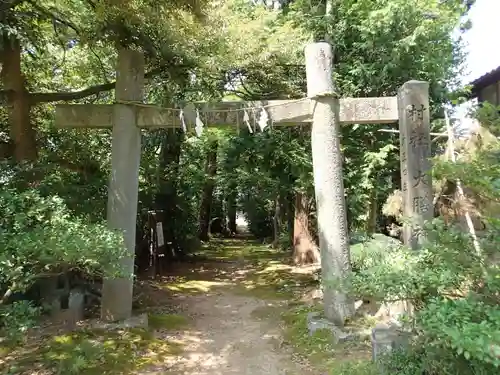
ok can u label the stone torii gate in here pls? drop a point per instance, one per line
(324, 110)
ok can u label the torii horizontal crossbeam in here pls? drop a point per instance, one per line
(281, 113)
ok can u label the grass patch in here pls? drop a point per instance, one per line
(265, 292)
(272, 311)
(90, 352)
(352, 358)
(193, 287)
(167, 321)
(258, 271)
(237, 249)
(353, 367)
(273, 279)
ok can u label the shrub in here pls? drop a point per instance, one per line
(456, 299)
(17, 318)
(453, 284)
(40, 237)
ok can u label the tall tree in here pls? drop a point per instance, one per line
(18, 101)
(31, 31)
(208, 190)
(167, 195)
(305, 250)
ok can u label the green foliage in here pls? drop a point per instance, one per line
(92, 352)
(488, 116)
(167, 321)
(470, 327)
(266, 167)
(40, 237)
(453, 283)
(17, 319)
(243, 51)
(455, 297)
(319, 349)
(372, 250)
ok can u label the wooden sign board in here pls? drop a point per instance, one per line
(160, 241)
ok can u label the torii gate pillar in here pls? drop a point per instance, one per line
(124, 180)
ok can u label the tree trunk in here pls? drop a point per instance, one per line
(231, 209)
(305, 250)
(276, 223)
(208, 192)
(6, 150)
(217, 214)
(167, 197)
(290, 216)
(371, 220)
(18, 103)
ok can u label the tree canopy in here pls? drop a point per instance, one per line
(65, 51)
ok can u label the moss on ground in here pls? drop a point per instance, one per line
(252, 269)
(193, 287)
(167, 321)
(351, 358)
(271, 312)
(274, 280)
(269, 276)
(237, 249)
(96, 351)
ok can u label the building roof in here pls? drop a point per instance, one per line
(484, 81)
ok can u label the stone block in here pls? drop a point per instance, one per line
(76, 304)
(315, 322)
(71, 315)
(386, 338)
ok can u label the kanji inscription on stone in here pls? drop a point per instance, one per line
(416, 112)
(420, 205)
(419, 178)
(415, 151)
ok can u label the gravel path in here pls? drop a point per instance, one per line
(225, 338)
(228, 340)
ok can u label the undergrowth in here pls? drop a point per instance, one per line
(350, 358)
(95, 351)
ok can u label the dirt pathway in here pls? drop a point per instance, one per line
(227, 337)
(228, 340)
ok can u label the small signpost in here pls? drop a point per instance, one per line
(128, 115)
(159, 234)
(157, 246)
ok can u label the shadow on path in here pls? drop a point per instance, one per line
(218, 316)
(224, 298)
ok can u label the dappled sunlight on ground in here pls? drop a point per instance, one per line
(247, 267)
(90, 352)
(226, 339)
(218, 315)
(195, 286)
(235, 308)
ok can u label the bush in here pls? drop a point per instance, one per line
(17, 318)
(453, 284)
(366, 251)
(40, 237)
(456, 293)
